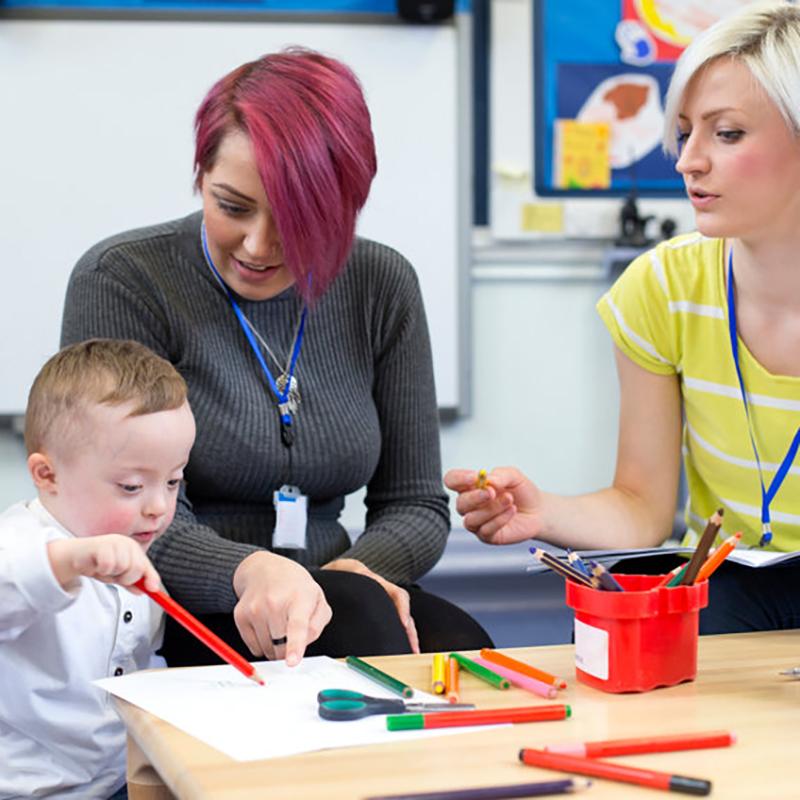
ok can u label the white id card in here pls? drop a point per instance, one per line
(291, 514)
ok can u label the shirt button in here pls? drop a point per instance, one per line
(127, 616)
(118, 671)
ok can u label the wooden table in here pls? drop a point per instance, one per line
(738, 688)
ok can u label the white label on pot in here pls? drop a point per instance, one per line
(591, 650)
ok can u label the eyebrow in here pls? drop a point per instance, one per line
(713, 113)
(228, 188)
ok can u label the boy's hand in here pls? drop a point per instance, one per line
(110, 559)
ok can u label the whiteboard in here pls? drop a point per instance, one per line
(97, 138)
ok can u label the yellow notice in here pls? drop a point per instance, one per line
(581, 155)
(542, 218)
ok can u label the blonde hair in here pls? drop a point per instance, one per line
(97, 371)
(765, 37)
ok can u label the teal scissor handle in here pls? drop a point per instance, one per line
(339, 694)
(342, 704)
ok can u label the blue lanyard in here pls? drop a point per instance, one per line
(282, 396)
(766, 494)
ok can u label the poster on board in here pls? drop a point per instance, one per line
(608, 64)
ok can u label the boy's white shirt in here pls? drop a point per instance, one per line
(60, 736)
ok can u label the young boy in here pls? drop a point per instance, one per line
(108, 431)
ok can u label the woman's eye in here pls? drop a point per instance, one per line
(174, 483)
(231, 208)
(730, 136)
(129, 488)
(682, 136)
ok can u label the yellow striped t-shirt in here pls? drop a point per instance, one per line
(668, 313)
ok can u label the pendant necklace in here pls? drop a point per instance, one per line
(285, 386)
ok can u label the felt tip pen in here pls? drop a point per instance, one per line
(494, 716)
(374, 674)
(645, 744)
(615, 772)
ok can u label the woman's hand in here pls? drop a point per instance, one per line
(397, 594)
(509, 509)
(281, 608)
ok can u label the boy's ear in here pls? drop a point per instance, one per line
(43, 472)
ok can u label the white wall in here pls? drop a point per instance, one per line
(98, 139)
(544, 385)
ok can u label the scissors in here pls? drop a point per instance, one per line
(342, 704)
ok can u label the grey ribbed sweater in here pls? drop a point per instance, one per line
(367, 416)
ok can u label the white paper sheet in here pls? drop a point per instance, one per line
(222, 708)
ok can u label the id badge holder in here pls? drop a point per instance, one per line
(291, 515)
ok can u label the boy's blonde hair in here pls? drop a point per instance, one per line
(97, 371)
(765, 37)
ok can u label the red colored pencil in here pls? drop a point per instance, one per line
(615, 772)
(206, 636)
(645, 744)
(523, 668)
(667, 579)
(492, 716)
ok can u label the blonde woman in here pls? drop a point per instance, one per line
(707, 335)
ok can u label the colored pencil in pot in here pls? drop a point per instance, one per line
(577, 562)
(701, 552)
(607, 581)
(570, 573)
(668, 579)
(719, 555)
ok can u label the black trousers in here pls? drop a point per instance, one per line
(740, 599)
(364, 623)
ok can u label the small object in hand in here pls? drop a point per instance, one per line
(481, 481)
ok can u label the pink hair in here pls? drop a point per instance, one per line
(310, 129)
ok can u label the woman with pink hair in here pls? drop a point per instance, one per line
(308, 362)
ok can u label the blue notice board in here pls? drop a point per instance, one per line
(579, 74)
